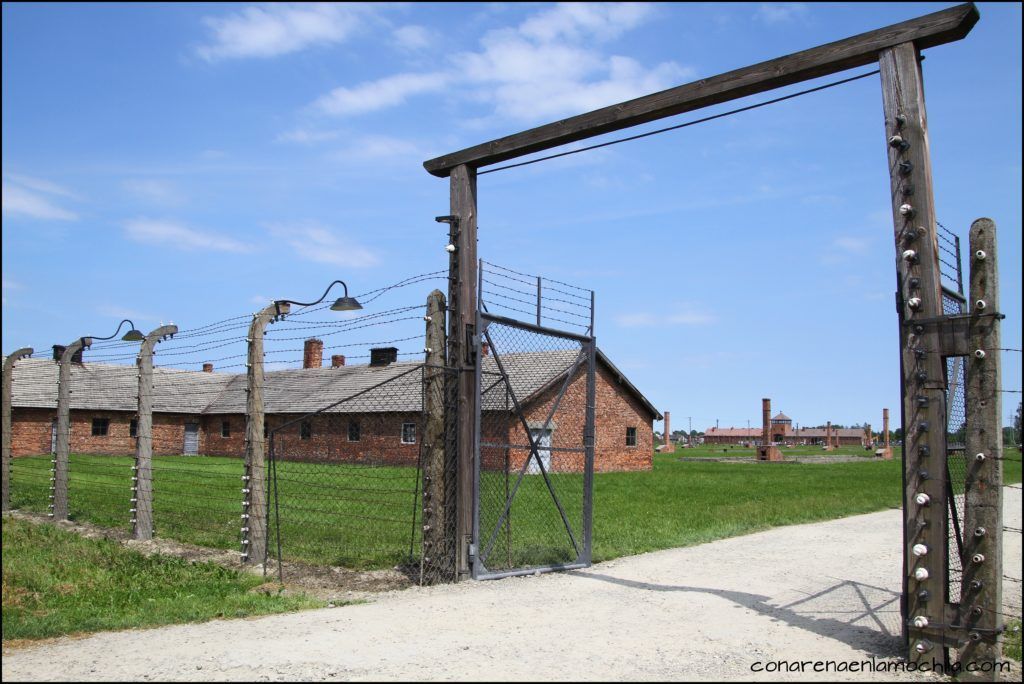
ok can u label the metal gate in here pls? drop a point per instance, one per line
(534, 451)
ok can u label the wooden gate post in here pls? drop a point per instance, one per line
(142, 486)
(982, 597)
(5, 400)
(462, 347)
(919, 297)
(59, 488)
(436, 547)
(254, 482)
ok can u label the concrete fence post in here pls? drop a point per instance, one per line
(8, 386)
(254, 481)
(982, 586)
(142, 484)
(59, 479)
(435, 554)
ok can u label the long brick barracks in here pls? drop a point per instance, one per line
(203, 412)
(780, 431)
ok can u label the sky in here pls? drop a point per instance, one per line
(191, 162)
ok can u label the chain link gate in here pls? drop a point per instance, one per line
(534, 451)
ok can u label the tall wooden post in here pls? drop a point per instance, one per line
(919, 298)
(982, 585)
(254, 482)
(59, 488)
(142, 487)
(436, 548)
(462, 347)
(5, 400)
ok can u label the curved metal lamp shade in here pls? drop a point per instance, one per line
(133, 335)
(346, 304)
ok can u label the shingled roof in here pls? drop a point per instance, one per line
(347, 389)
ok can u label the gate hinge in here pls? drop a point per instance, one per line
(472, 552)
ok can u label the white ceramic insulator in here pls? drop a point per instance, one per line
(922, 499)
(909, 254)
(980, 304)
(921, 574)
(449, 248)
(896, 140)
(923, 646)
(978, 558)
(920, 622)
(914, 302)
(906, 209)
(980, 255)
(979, 457)
(920, 550)
(979, 353)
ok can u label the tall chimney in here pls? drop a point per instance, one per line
(828, 435)
(382, 356)
(766, 421)
(885, 426)
(337, 360)
(668, 429)
(207, 367)
(313, 353)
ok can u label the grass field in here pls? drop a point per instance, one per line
(56, 583)
(363, 517)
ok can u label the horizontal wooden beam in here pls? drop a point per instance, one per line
(927, 31)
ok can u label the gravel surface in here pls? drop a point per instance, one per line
(826, 591)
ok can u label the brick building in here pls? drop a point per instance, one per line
(784, 433)
(374, 412)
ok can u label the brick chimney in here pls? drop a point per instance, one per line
(313, 353)
(382, 356)
(207, 367)
(766, 421)
(885, 426)
(485, 349)
(337, 360)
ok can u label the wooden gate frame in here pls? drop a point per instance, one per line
(896, 49)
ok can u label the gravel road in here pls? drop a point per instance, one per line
(827, 591)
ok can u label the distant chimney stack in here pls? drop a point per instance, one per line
(58, 351)
(337, 360)
(485, 349)
(207, 367)
(313, 353)
(382, 356)
(766, 421)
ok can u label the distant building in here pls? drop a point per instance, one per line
(784, 433)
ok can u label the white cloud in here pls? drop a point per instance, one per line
(120, 312)
(781, 12)
(685, 314)
(413, 37)
(20, 200)
(276, 29)
(155, 191)
(159, 232)
(373, 95)
(379, 147)
(307, 136)
(315, 242)
(549, 65)
(40, 185)
(9, 285)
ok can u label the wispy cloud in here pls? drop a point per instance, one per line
(379, 148)
(374, 95)
(169, 233)
(35, 198)
(9, 285)
(154, 191)
(307, 136)
(120, 312)
(315, 242)
(854, 245)
(276, 29)
(682, 314)
(551, 64)
(781, 12)
(413, 37)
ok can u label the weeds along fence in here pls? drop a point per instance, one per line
(349, 440)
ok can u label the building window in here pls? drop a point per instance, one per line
(225, 428)
(266, 430)
(631, 436)
(408, 433)
(133, 428)
(353, 430)
(100, 427)
(305, 430)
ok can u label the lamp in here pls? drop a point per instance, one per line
(132, 335)
(344, 303)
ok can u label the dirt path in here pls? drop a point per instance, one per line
(827, 591)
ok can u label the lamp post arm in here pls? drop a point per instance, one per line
(5, 399)
(322, 298)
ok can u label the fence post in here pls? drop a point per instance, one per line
(5, 399)
(982, 597)
(462, 353)
(435, 552)
(59, 488)
(919, 298)
(254, 482)
(142, 489)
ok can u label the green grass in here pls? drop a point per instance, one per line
(57, 583)
(1011, 645)
(362, 517)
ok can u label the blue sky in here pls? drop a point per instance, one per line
(187, 163)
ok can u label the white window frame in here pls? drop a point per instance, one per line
(402, 436)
